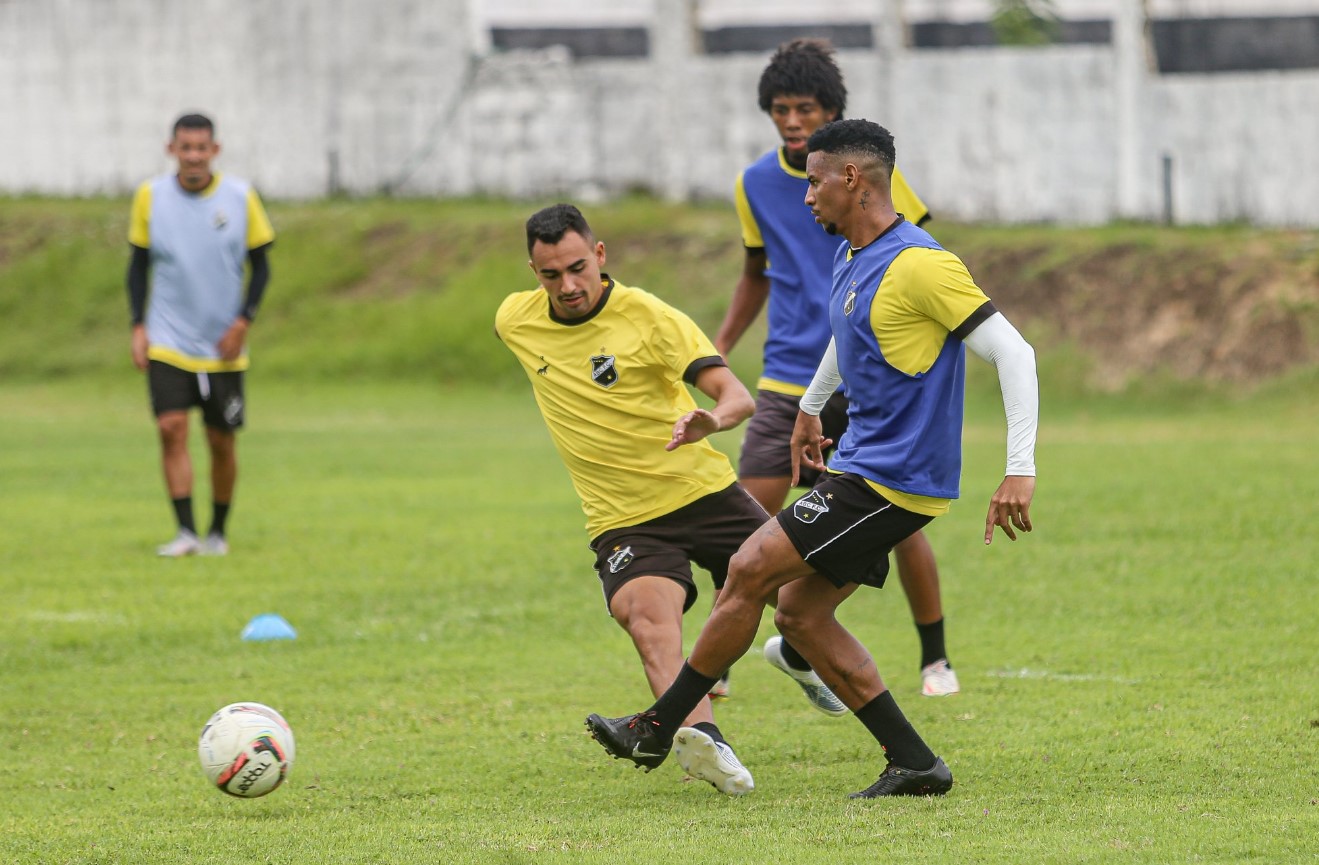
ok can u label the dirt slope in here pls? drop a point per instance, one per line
(1235, 309)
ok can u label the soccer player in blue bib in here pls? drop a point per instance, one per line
(902, 311)
(192, 233)
(788, 267)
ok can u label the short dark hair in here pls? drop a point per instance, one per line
(550, 224)
(194, 121)
(804, 67)
(860, 137)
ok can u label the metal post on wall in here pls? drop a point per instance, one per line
(888, 27)
(1167, 189)
(1132, 74)
(672, 46)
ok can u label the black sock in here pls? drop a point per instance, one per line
(218, 516)
(900, 741)
(710, 729)
(183, 513)
(932, 647)
(792, 657)
(675, 704)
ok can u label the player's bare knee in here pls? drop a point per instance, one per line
(652, 633)
(792, 625)
(173, 428)
(642, 620)
(749, 576)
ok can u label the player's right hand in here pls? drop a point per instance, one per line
(139, 347)
(808, 445)
(1010, 506)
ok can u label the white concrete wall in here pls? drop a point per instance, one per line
(388, 91)
(89, 88)
(722, 13)
(1009, 135)
(1243, 147)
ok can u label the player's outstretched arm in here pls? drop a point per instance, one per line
(998, 342)
(748, 299)
(732, 405)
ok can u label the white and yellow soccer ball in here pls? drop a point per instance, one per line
(246, 749)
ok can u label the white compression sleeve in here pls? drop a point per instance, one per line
(826, 381)
(998, 342)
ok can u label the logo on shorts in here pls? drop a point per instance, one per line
(233, 411)
(810, 506)
(849, 302)
(604, 370)
(619, 559)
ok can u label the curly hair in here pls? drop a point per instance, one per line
(861, 137)
(193, 121)
(804, 67)
(550, 224)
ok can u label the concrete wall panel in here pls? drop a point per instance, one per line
(319, 96)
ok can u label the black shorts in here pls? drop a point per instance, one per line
(708, 531)
(219, 394)
(845, 530)
(766, 447)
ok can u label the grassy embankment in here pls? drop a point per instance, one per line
(396, 290)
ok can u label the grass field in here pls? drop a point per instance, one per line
(1139, 674)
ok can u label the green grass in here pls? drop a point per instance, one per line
(1139, 674)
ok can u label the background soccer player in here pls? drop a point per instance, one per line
(191, 233)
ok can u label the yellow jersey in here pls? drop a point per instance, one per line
(610, 386)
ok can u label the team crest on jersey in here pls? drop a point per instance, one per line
(220, 219)
(810, 506)
(604, 370)
(620, 559)
(849, 302)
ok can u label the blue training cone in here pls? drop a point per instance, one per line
(269, 626)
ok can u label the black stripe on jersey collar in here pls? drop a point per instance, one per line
(604, 298)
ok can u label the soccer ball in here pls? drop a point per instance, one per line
(246, 749)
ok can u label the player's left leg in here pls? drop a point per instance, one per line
(173, 393)
(223, 412)
(806, 613)
(765, 472)
(176, 463)
(920, 581)
(650, 609)
(224, 477)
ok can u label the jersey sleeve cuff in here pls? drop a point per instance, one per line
(694, 368)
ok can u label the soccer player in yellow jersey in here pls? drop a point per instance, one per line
(609, 367)
(902, 312)
(192, 234)
(788, 268)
